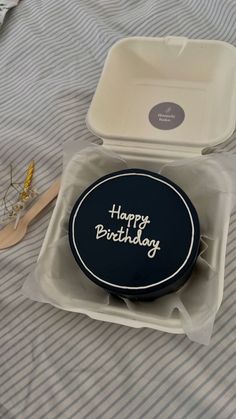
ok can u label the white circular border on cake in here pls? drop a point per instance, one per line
(124, 286)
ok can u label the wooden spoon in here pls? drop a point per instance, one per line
(10, 236)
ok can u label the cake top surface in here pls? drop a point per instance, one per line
(134, 230)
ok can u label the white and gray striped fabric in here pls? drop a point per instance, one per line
(5, 6)
(56, 364)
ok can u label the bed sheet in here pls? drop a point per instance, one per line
(56, 364)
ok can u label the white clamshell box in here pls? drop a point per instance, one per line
(139, 72)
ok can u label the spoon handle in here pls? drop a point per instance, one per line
(42, 201)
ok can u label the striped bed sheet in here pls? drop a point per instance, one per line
(56, 364)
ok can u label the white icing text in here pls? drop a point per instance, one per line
(131, 218)
(122, 235)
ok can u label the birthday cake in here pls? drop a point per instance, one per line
(135, 233)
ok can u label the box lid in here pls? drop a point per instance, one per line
(172, 92)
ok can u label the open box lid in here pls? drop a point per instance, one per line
(172, 92)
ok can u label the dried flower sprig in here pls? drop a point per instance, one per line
(14, 208)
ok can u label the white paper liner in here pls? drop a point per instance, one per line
(58, 280)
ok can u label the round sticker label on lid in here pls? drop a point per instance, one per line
(166, 115)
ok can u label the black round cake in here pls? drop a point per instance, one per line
(135, 233)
